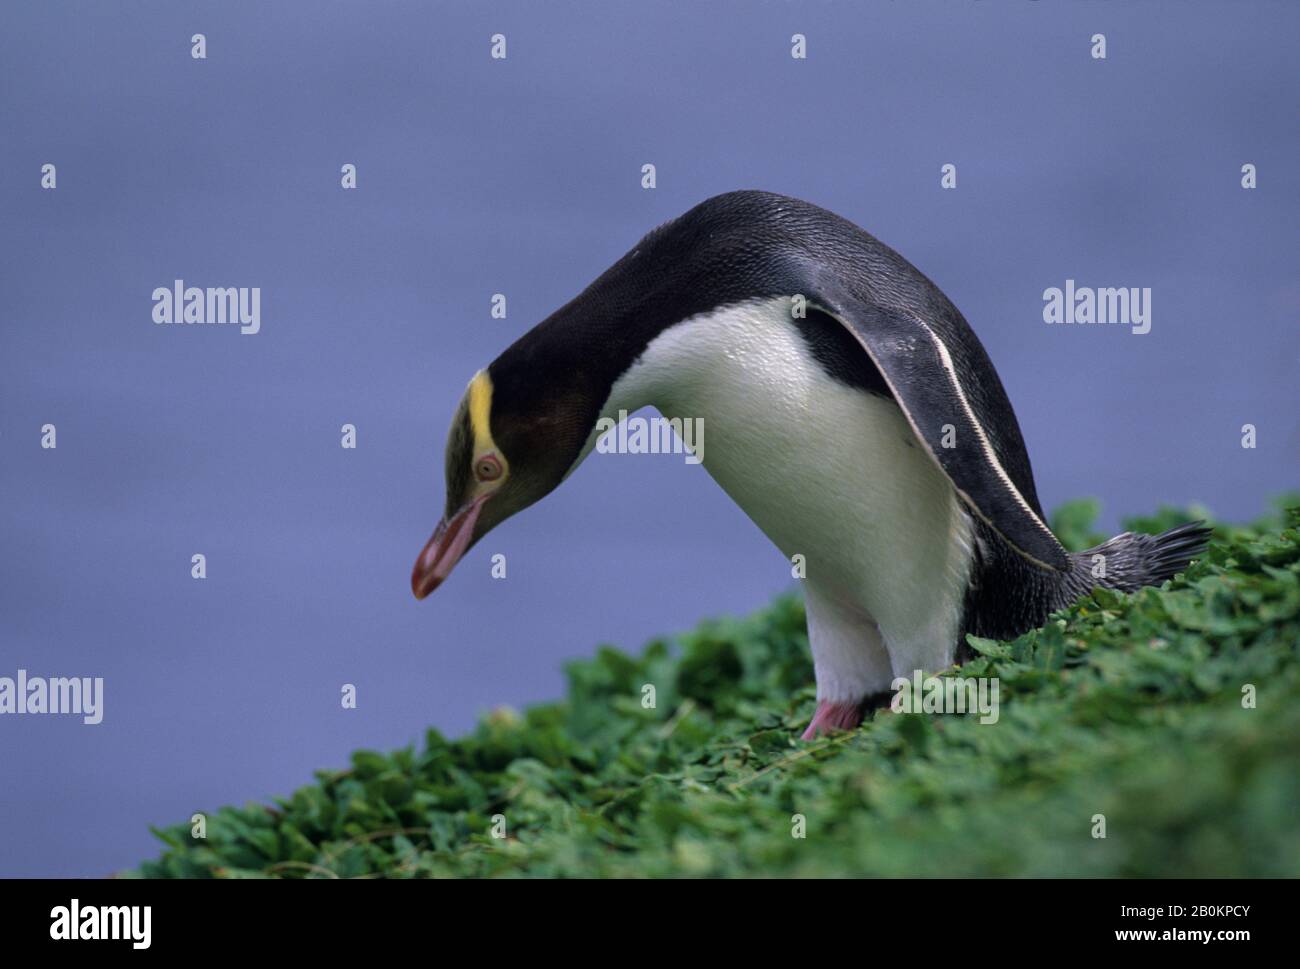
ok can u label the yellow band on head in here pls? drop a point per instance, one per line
(480, 411)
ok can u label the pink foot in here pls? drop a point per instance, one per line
(833, 716)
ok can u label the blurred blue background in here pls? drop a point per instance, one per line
(522, 176)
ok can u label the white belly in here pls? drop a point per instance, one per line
(826, 471)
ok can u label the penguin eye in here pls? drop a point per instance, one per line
(487, 468)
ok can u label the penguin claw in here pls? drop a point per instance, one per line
(833, 716)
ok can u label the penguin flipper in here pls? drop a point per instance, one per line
(918, 368)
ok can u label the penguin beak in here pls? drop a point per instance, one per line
(448, 544)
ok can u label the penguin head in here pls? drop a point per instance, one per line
(526, 421)
(512, 440)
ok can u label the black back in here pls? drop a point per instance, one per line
(731, 248)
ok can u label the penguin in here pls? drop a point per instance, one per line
(851, 412)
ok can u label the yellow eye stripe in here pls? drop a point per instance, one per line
(480, 410)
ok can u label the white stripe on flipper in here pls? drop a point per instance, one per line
(987, 447)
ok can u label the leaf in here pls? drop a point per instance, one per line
(1124, 704)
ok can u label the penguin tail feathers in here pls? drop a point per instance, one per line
(1130, 561)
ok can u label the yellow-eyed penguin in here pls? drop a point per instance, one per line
(850, 411)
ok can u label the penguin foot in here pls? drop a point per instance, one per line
(833, 716)
(846, 714)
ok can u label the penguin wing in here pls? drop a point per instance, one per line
(918, 367)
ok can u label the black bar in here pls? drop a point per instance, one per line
(940, 917)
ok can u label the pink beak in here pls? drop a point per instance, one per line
(448, 544)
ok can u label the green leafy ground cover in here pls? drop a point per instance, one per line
(1125, 706)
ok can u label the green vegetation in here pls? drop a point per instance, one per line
(1126, 706)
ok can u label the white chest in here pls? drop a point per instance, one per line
(826, 471)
